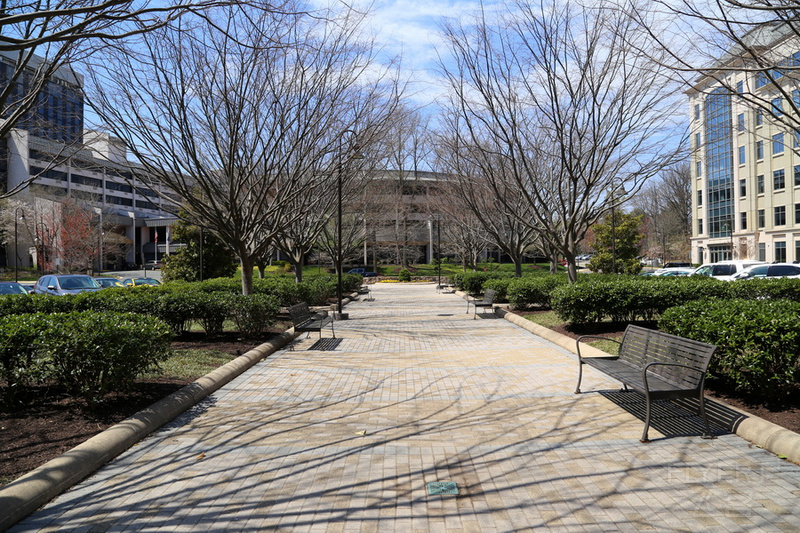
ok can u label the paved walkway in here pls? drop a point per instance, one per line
(419, 392)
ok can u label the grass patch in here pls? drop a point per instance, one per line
(548, 319)
(609, 347)
(190, 364)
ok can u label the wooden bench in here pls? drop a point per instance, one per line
(657, 365)
(304, 320)
(486, 302)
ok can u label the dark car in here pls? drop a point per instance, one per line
(60, 284)
(11, 287)
(363, 272)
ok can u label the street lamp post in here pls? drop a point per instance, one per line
(339, 251)
(16, 245)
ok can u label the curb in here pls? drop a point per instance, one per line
(26, 494)
(776, 439)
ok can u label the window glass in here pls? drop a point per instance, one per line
(777, 143)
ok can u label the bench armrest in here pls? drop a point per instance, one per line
(579, 340)
(656, 363)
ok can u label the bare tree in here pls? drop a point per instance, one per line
(667, 204)
(575, 112)
(486, 187)
(241, 112)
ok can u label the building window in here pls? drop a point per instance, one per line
(762, 221)
(777, 106)
(796, 139)
(780, 215)
(699, 226)
(697, 140)
(698, 168)
(739, 87)
(743, 220)
(778, 180)
(762, 251)
(797, 218)
(742, 188)
(780, 251)
(796, 98)
(740, 121)
(777, 144)
(760, 184)
(759, 117)
(759, 149)
(797, 175)
(741, 155)
(699, 198)
(697, 111)
(761, 79)
(797, 250)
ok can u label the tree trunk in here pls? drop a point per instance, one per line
(517, 267)
(247, 274)
(298, 269)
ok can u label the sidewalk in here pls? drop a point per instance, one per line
(418, 392)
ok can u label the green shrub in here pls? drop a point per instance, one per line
(500, 286)
(88, 353)
(404, 275)
(20, 359)
(212, 309)
(473, 282)
(629, 298)
(533, 290)
(758, 342)
(253, 314)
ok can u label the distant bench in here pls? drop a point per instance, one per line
(657, 365)
(304, 320)
(486, 302)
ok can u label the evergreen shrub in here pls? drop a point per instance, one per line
(758, 342)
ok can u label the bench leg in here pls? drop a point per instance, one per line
(580, 376)
(644, 438)
(702, 408)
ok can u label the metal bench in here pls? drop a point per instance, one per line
(657, 365)
(486, 302)
(304, 320)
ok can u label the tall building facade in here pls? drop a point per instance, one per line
(746, 158)
(51, 159)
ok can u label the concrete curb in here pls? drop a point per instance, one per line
(764, 434)
(26, 494)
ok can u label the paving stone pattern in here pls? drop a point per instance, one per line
(417, 392)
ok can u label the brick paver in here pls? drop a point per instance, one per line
(417, 391)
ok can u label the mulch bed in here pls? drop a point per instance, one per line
(47, 422)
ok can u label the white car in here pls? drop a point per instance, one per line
(667, 272)
(775, 270)
(724, 269)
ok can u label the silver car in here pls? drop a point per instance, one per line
(60, 284)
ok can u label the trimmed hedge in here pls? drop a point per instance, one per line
(473, 282)
(88, 353)
(758, 342)
(530, 291)
(628, 299)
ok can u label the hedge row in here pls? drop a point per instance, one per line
(176, 307)
(628, 299)
(758, 342)
(88, 353)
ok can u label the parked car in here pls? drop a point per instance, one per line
(153, 265)
(11, 287)
(677, 264)
(107, 283)
(362, 272)
(60, 284)
(775, 270)
(131, 282)
(724, 269)
(672, 271)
